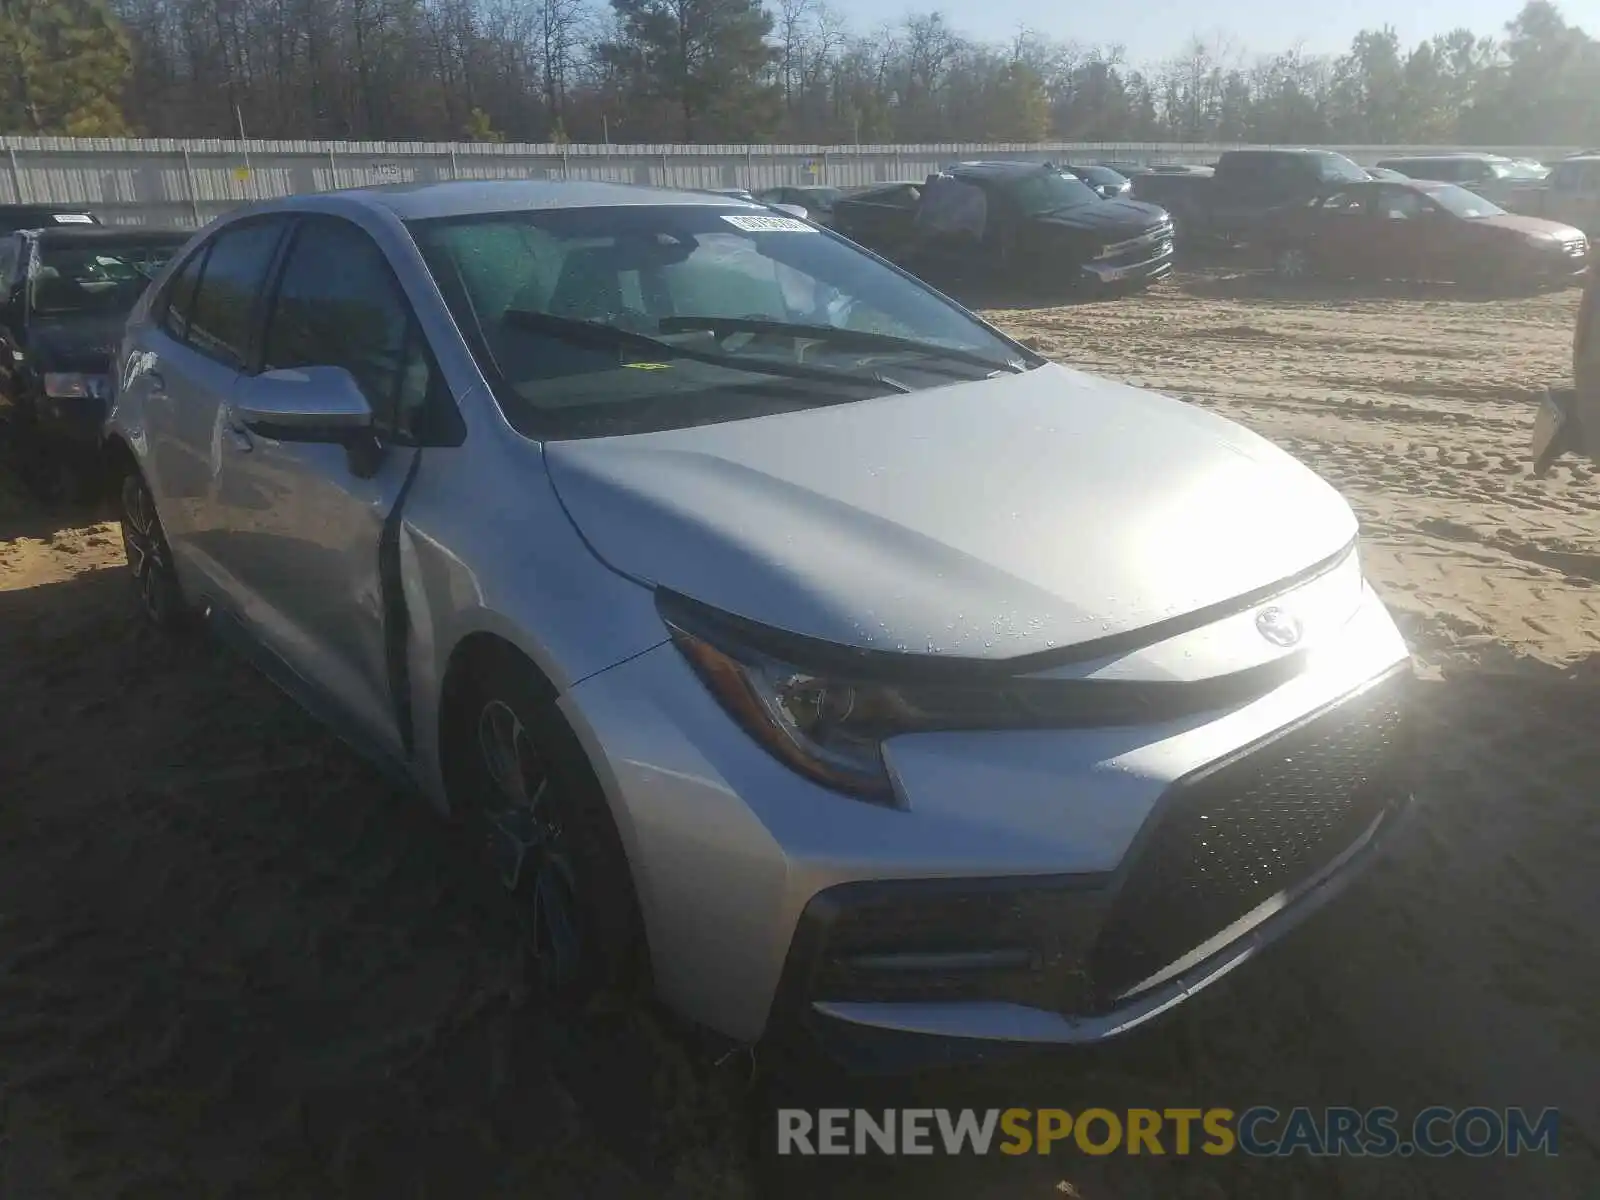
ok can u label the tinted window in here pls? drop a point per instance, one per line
(99, 278)
(339, 305)
(1401, 203)
(235, 272)
(1462, 203)
(1343, 202)
(180, 295)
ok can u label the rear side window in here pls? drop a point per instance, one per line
(340, 305)
(180, 295)
(231, 283)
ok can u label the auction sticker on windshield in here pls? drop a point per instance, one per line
(768, 224)
(73, 219)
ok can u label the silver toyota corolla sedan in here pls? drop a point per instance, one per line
(809, 650)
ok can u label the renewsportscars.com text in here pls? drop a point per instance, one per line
(1260, 1131)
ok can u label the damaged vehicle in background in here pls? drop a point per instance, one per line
(1426, 232)
(64, 293)
(804, 648)
(1011, 223)
(1226, 205)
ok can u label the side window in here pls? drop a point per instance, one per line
(179, 298)
(225, 302)
(339, 305)
(1400, 204)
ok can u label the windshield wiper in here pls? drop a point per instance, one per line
(858, 339)
(601, 336)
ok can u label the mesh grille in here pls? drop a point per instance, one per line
(1231, 838)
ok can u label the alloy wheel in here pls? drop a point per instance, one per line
(146, 549)
(1292, 263)
(528, 843)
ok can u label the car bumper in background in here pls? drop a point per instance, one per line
(1157, 265)
(1036, 886)
(77, 420)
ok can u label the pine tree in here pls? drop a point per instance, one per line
(62, 67)
(707, 58)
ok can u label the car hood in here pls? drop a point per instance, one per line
(1119, 217)
(983, 520)
(74, 343)
(1516, 223)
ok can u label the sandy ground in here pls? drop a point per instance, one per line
(234, 963)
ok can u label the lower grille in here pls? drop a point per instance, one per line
(1233, 836)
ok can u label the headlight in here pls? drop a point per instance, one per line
(829, 722)
(72, 385)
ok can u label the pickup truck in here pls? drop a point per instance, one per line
(1244, 189)
(1015, 222)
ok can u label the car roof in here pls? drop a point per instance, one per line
(56, 235)
(995, 170)
(1465, 155)
(6, 209)
(423, 201)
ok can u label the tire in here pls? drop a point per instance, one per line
(1291, 263)
(155, 581)
(517, 771)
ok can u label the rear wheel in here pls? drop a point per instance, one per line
(155, 582)
(520, 774)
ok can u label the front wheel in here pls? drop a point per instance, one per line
(1292, 263)
(551, 842)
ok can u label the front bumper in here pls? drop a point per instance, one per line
(77, 420)
(1233, 858)
(1011, 871)
(1152, 264)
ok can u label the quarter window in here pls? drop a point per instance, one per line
(225, 303)
(180, 295)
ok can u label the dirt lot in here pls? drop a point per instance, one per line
(233, 962)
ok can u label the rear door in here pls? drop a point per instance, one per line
(1397, 234)
(1334, 229)
(197, 345)
(304, 520)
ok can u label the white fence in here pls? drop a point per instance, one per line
(174, 181)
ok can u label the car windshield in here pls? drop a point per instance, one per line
(1336, 168)
(1100, 176)
(603, 321)
(1046, 191)
(1525, 172)
(1463, 203)
(96, 278)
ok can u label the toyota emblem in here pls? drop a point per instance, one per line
(1278, 627)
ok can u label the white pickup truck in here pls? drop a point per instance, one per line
(1569, 422)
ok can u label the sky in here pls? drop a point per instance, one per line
(1156, 29)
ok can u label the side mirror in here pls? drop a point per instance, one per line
(304, 404)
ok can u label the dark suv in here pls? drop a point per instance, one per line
(64, 294)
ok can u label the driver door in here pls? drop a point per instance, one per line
(1397, 232)
(304, 520)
